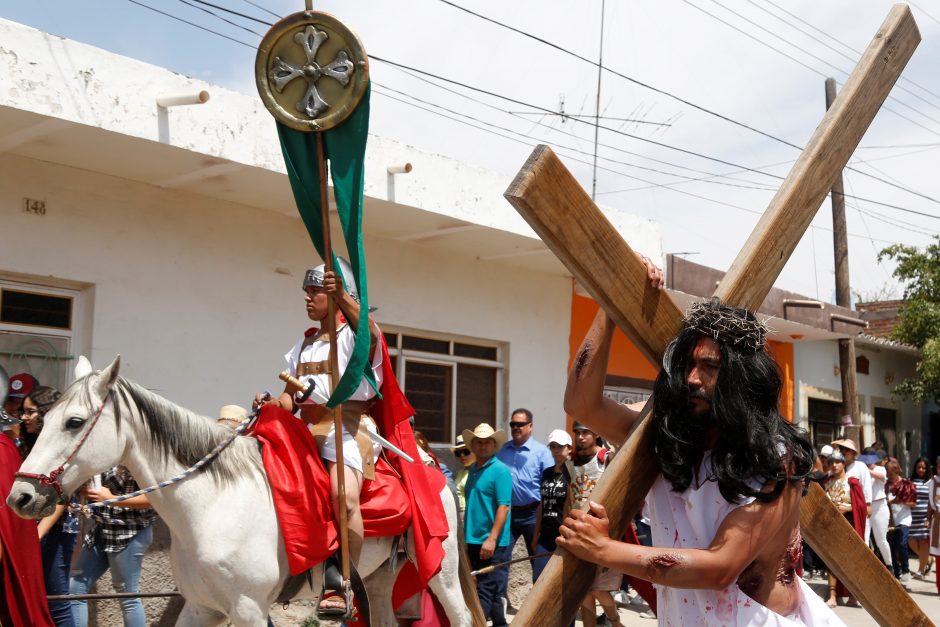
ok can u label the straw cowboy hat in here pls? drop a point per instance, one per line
(483, 431)
(233, 413)
(846, 443)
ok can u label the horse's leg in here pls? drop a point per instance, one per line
(379, 586)
(248, 613)
(446, 585)
(193, 616)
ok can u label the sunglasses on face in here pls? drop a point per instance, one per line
(462, 452)
(518, 425)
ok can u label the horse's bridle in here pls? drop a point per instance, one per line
(52, 479)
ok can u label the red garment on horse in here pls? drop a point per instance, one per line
(859, 516)
(300, 485)
(24, 589)
(422, 483)
(644, 588)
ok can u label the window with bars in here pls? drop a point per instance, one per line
(452, 384)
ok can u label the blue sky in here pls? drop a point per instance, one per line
(759, 62)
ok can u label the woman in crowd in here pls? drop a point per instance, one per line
(466, 458)
(58, 531)
(118, 541)
(846, 494)
(933, 516)
(902, 495)
(556, 500)
(920, 475)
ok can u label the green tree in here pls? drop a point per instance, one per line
(919, 315)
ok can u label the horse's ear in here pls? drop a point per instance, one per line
(83, 367)
(108, 376)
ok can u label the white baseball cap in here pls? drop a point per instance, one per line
(560, 436)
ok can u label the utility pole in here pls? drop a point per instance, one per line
(597, 103)
(844, 296)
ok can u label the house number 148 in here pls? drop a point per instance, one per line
(37, 207)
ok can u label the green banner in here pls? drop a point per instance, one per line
(345, 149)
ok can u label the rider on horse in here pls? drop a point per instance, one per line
(308, 361)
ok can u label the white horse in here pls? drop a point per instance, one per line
(227, 552)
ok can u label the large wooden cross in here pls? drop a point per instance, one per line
(567, 220)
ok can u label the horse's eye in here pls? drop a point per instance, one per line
(74, 422)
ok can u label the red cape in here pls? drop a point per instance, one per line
(300, 487)
(859, 516)
(422, 483)
(24, 603)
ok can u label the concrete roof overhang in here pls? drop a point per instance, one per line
(63, 142)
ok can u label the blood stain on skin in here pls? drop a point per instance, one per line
(584, 355)
(659, 565)
(750, 580)
(786, 571)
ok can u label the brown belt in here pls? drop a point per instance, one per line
(312, 367)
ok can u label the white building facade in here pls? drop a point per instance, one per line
(883, 364)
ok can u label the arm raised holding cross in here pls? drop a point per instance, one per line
(584, 396)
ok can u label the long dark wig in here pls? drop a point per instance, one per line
(755, 444)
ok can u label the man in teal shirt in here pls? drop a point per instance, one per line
(486, 527)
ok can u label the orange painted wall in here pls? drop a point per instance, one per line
(782, 352)
(627, 361)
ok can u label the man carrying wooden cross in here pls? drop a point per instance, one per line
(725, 510)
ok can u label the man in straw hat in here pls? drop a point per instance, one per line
(486, 527)
(725, 510)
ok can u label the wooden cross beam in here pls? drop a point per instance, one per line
(564, 216)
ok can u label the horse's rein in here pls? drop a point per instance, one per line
(53, 477)
(86, 510)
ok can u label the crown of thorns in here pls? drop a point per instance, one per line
(727, 325)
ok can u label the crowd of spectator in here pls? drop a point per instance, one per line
(517, 487)
(896, 515)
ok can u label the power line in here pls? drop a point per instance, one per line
(619, 74)
(227, 21)
(536, 107)
(179, 19)
(462, 119)
(826, 44)
(552, 128)
(673, 96)
(227, 10)
(809, 67)
(845, 45)
(263, 8)
(561, 146)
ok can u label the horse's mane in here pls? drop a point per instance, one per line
(181, 433)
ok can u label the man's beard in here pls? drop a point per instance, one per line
(695, 422)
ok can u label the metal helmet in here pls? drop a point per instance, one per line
(314, 277)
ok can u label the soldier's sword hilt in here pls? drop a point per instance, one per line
(306, 390)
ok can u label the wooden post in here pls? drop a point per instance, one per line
(840, 245)
(559, 210)
(334, 367)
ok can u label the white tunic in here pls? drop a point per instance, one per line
(860, 471)
(320, 351)
(690, 520)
